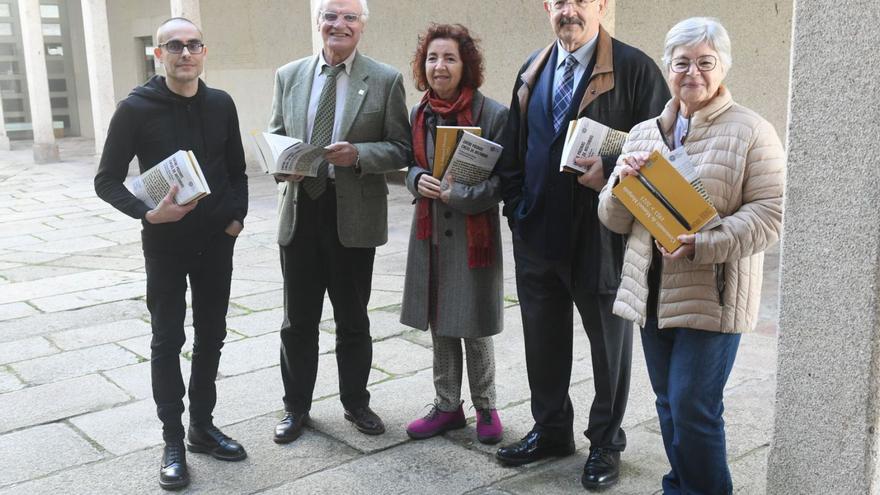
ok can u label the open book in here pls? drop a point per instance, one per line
(587, 138)
(285, 155)
(668, 199)
(473, 160)
(180, 169)
(444, 145)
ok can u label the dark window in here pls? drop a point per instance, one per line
(57, 84)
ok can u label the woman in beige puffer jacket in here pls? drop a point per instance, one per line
(694, 303)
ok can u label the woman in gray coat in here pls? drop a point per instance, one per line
(454, 267)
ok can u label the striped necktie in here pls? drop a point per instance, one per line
(564, 92)
(322, 130)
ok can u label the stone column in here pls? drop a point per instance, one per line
(828, 393)
(97, 38)
(4, 139)
(45, 148)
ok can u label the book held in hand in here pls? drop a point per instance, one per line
(586, 138)
(445, 142)
(668, 198)
(284, 155)
(473, 160)
(180, 169)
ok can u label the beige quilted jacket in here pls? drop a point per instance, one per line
(742, 164)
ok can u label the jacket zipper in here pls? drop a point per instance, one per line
(720, 281)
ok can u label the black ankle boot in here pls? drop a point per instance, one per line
(173, 473)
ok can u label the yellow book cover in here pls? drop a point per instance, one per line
(664, 202)
(445, 143)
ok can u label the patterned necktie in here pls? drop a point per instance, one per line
(563, 94)
(322, 129)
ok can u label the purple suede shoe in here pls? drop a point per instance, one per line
(435, 423)
(489, 429)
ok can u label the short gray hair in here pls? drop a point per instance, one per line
(365, 10)
(696, 30)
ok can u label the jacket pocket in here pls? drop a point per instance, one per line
(720, 281)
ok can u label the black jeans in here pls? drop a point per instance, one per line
(316, 262)
(546, 294)
(210, 275)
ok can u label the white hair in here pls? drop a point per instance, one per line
(365, 10)
(697, 30)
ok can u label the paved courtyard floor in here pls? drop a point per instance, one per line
(76, 413)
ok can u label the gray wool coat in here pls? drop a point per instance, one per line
(469, 301)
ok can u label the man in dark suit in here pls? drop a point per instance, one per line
(563, 254)
(330, 225)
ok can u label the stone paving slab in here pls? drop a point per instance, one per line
(135, 379)
(257, 323)
(43, 324)
(8, 381)
(61, 448)
(57, 400)
(72, 364)
(398, 357)
(100, 334)
(91, 297)
(22, 350)
(126, 428)
(64, 284)
(432, 466)
(267, 466)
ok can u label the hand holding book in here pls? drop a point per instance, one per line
(168, 211)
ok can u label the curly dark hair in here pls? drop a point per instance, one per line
(468, 49)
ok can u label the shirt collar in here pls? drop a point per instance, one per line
(582, 54)
(347, 62)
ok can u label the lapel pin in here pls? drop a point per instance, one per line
(361, 92)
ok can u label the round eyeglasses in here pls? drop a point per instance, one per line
(703, 63)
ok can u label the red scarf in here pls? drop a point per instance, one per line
(479, 227)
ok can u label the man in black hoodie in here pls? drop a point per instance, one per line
(167, 114)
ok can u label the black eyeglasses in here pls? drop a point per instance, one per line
(176, 46)
(704, 63)
(348, 17)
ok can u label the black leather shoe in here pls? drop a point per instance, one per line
(210, 440)
(173, 474)
(533, 447)
(290, 427)
(602, 469)
(365, 420)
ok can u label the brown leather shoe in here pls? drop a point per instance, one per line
(290, 427)
(365, 420)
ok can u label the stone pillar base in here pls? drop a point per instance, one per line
(46, 153)
(4, 143)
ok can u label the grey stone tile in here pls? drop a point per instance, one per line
(138, 345)
(261, 302)
(393, 400)
(29, 257)
(250, 354)
(53, 322)
(85, 243)
(749, 472)
(99, 262)
(75, 233)
(35, 272)
(73, 363)
(124, 429)
(8, 381)
(268, 465)
(258, 323)
(431, 466)
(136, 381)
(64, 284)
(385, 324)
(385, 282)
(382, 299)
(62, 399)
(41, 450)
(398, 356)
(29, 348)
(91, 297)
(100, 334)
(249, 395)
(241, 288)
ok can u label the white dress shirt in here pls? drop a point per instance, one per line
(341, 92)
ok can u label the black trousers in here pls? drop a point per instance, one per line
(210, 276)
(315, 263)
(546, 293)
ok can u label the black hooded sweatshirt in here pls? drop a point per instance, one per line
(152, 123)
